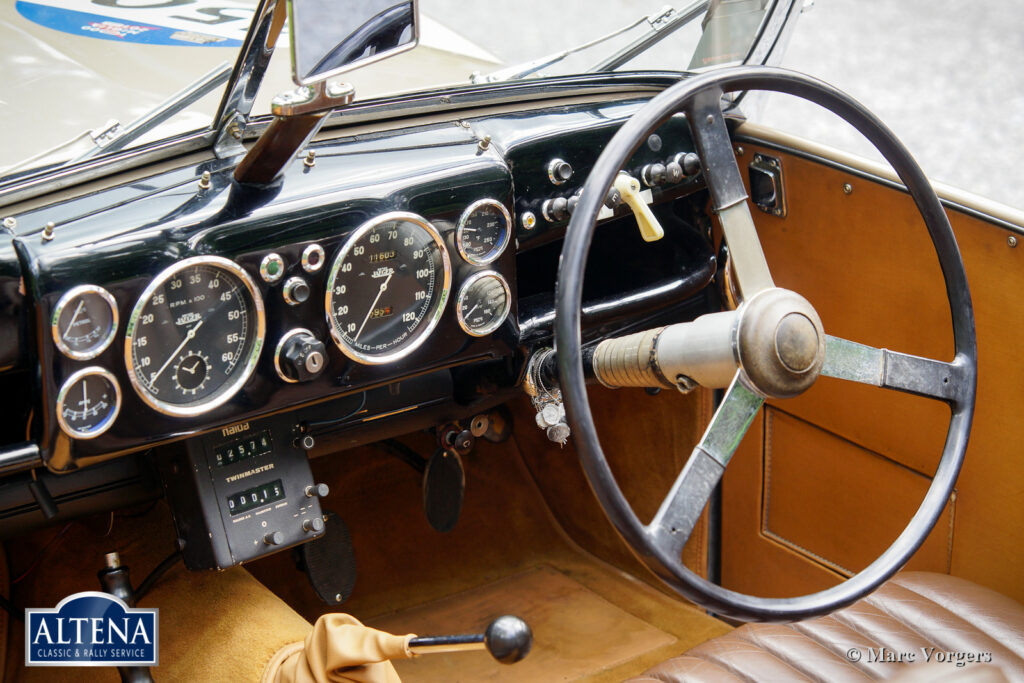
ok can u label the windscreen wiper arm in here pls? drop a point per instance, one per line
(662, 24)
(180, 100)
(662, 27)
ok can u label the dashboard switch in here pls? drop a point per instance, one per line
(559, 171)
(689, 162)
(300, 356)
(313, 525)
(296, 291)
(317, 491)
(654, 174)
(274, 538)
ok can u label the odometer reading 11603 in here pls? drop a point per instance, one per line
(194, 336)
(387, 288)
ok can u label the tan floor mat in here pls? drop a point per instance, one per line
(577, 633)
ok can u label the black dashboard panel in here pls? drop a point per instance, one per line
(120, 238)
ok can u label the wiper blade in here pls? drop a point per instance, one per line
(661, 25)
(184, 98)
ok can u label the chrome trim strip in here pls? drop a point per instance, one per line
(433, 317)
(498, 249)
(280, 345)
(68, 296)
(107, 421)
(46, 181)
(231, 387)
(494, 324)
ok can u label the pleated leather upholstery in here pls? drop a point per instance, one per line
(909, 614)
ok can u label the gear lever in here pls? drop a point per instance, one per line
(507, 638)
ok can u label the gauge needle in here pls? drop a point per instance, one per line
(186, 340)
(85, 397)
(195, 365)
(73, 319)
(475, 306)
(383, 286)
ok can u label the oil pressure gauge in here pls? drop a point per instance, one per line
(84, 322)
(88, 403)
(483, 303)
(483, 232)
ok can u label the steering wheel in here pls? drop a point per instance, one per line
(771, 346)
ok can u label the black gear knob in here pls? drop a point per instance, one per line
(508, 639)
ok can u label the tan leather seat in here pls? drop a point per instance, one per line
(913, 612)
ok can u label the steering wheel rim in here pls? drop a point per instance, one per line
(569, 289)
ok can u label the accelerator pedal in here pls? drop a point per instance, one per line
(330, 561)
(444, 486)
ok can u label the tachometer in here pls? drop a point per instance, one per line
(387, 288)
(194, 336)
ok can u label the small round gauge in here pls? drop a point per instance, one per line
(88, 403)
(84, 322)
(483, 232)
(483, 303)
(194, 336)
(387, 288)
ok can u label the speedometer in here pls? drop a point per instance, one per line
(194, 336)
(387, 288)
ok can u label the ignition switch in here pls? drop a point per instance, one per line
(300, 356)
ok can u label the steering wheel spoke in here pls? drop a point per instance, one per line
(926, 377)
(678, 514)
(728, 193)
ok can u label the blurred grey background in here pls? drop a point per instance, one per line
(945, 75)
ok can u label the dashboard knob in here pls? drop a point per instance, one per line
(559, 171)
(313, 525)
(654, 174)
(690, 163)
(317, 490)
(300, 357)
(296, 291)
(274, 538)
(674, 172)
(571, 204)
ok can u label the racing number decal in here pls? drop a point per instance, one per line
(198, 23)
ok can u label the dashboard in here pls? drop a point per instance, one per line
(391, 281)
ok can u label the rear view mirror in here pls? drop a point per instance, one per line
(329, 37)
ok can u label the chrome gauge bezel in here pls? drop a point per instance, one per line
(432, 318)
(499, 249)
(63, 302)
(71, 381)
(231, 388)
(497, 322)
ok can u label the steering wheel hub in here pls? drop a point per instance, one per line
(780, 343)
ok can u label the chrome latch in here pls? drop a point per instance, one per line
(767, 189)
